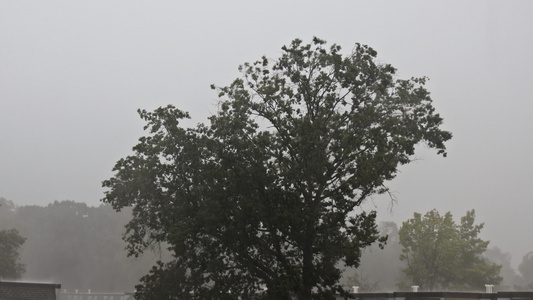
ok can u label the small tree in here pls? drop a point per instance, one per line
(263, 196)
(10, 265)
(443, 255)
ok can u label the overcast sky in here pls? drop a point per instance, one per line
(73, 74)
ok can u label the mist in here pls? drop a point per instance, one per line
(73, 75)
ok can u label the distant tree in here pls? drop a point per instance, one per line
(526, 269)
(7, 213)
(443, 255)
(360, 280)
(10, 265)
(476, 270)
(264, 196)
(380, 267)
(509, 275)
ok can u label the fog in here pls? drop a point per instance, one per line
(73, 74)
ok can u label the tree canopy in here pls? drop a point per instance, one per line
(441, 254)
(261, 202)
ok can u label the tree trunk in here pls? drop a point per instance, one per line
(307, 273)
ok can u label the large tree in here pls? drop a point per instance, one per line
(441, 254)
(265, 195)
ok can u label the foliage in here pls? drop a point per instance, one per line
(526, 269)
(263, 196)
(10, 265)
(10, 244)
(441, 254)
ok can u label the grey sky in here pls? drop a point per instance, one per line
(73, 73)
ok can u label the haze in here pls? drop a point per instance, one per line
(72, 75)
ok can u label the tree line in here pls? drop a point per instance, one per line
(80, 247)
(70, 243)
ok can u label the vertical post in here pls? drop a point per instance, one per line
(414, 288)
